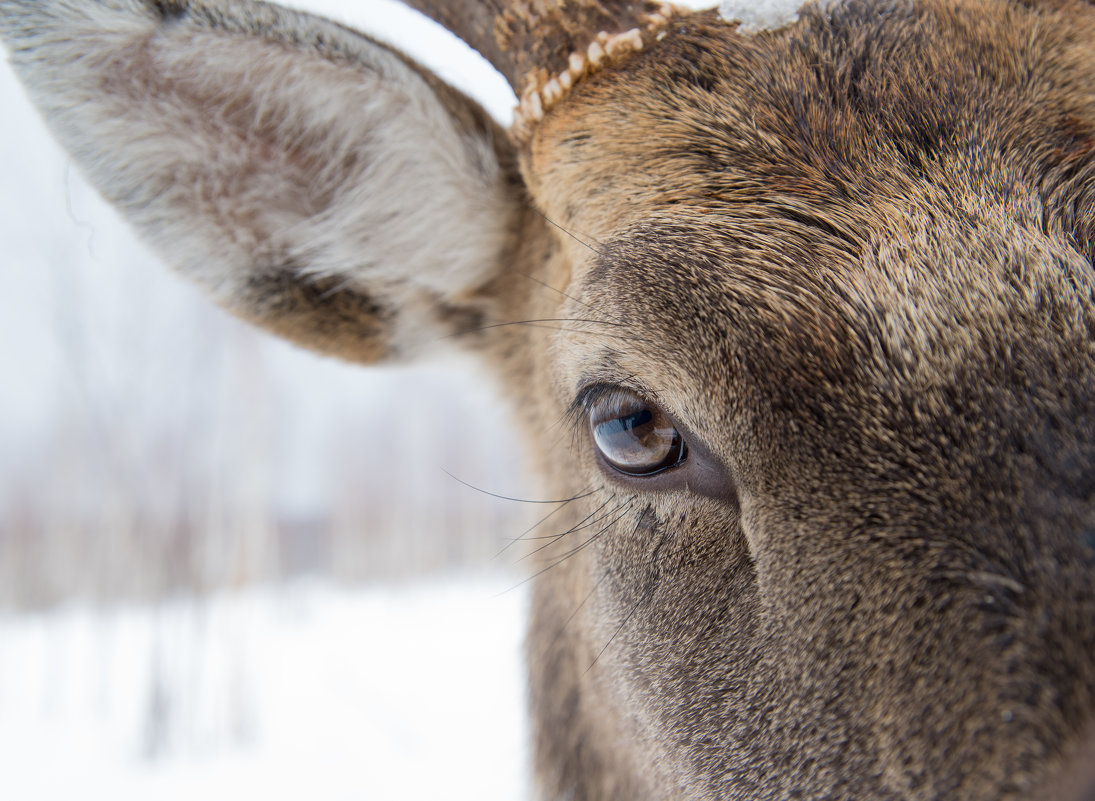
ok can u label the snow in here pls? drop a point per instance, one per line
(760, 15)
(400, 693)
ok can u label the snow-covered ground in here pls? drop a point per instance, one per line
(401, 693)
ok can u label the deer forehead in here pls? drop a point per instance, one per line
(838, 90)
(898, 194)
(842, 111)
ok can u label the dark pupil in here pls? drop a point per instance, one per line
(627, 424)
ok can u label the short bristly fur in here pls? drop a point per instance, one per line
(850, 258)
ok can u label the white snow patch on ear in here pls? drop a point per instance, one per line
(760, 15)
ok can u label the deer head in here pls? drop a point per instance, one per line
(798, 321)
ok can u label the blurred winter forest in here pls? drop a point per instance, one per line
(230, 568)
(151, 445)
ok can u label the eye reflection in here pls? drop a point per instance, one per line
(633, 435)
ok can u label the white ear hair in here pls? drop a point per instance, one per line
(242, 138)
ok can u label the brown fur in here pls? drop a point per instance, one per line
(853, 260)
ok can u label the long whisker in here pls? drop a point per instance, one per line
(546, 285)
(577, 609)
(524, 534)
(574, 236)
(631, 335)
(585, 522)
(570, 553)
(534, 321)
(624, 622)
(646, 594)
(543, 327)
(509, 498)
(625, 506)
(554, 538)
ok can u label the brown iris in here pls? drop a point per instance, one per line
(633, 435)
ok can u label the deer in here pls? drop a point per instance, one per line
(795, 310)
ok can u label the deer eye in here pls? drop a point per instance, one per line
(633, 435)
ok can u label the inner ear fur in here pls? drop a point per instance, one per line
(314, 181)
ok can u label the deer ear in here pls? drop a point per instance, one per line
(314, 181)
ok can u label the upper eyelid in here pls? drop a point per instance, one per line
(592, 391)
(595, 390)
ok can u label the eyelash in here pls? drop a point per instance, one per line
(577, 414)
